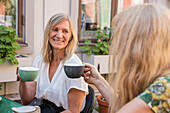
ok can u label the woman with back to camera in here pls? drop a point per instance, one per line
(59, 93)
(141, 51)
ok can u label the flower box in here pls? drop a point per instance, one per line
(100, 61)
(8, 70)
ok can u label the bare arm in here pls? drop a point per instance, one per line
(27, 91)
(136, 106)
(92, 76)
(75, 101)
(105, 89)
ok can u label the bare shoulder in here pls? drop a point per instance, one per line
(136, 106)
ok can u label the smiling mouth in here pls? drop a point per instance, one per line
(58, 40)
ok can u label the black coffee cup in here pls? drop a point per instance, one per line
(74, 70)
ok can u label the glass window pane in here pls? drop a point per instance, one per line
(95, 14)
(8, 13)
(123, 4)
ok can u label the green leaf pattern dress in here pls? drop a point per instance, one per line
(157, 96)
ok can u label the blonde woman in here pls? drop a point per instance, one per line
(141, 47)
(58, 92)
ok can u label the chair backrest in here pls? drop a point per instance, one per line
(88, 108)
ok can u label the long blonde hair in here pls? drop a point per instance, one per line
(46, 49)
(141, 47)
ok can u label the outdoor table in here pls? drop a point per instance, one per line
(7, 104)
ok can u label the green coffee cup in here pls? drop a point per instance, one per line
(28, 74)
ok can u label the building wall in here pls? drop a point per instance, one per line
(52, 7)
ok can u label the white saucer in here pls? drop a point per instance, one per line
(24, 109)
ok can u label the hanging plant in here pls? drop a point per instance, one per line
(8, 45)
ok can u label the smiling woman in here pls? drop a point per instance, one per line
(51, 26)
(52, 84)
(60, 35)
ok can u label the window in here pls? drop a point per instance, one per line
(97, 14)
(123, 4)
(94, 15)
(162, 2)
(11, 15)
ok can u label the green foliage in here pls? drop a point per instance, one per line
(97, 109)
(101, 47)
(8, 45)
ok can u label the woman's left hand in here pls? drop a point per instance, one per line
(91, 74)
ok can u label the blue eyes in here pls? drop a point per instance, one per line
(64, 31)
(55, 29)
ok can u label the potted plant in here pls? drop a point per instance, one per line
(103, 105)
(101, 47)
(8, 46)
(97, 53)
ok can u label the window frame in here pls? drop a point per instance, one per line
(20, 18)
(114, 5)
(21, 23)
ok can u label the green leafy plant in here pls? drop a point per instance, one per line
(8, 45)
(102, 46)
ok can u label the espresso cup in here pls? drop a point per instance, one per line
(74, 70)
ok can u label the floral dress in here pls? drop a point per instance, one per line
(157, 96)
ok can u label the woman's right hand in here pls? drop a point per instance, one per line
(90, 74)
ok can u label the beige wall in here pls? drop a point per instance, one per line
(55, 6)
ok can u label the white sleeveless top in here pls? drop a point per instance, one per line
(57, 90)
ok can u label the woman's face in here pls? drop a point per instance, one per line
(60, 35)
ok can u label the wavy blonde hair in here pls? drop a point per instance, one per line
(69, 50)
(141, 47)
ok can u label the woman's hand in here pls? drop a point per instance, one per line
(92, 76)
(91, 73)
(18, 75)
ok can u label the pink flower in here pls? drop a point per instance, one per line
(99, 40)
